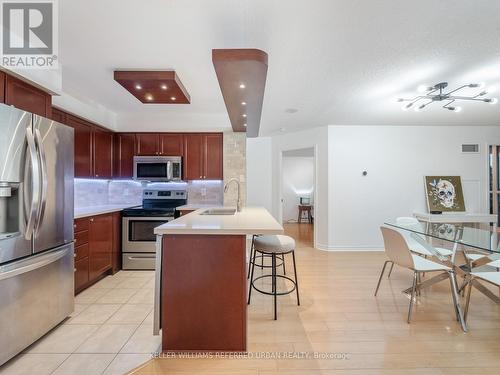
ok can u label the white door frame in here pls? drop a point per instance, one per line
(315, 187)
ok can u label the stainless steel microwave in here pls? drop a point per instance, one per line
(158, 168)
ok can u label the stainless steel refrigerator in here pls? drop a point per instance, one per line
(36, 228)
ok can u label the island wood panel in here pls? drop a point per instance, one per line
(204, 293)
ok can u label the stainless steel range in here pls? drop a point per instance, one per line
(138, 223)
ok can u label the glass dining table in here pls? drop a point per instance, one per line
(472, 247)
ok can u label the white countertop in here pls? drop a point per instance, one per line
(196, 206)
(99, 210)
(251, 220)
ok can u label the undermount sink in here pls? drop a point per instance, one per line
(219, 211)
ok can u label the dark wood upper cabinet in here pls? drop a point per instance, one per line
(171, 144)
(100, 244)
(83, 146)
(193, 157)
(147, 144)
(27, 97)
(58, 115)
(2, 87)
(103, 153)
(124, 151)
(212, 147)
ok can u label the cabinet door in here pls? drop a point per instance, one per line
(116, 257)
(171, 144)
(100, 245)
(58, 115)
(83, 146)
(27, 97)
(147, 144)
(2, 87)
(81, 273)
(103, 153)
(193, 154)
(212, 155)
(124, 151)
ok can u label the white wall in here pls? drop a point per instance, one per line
(298, 181)
(397, 159)
(350, 208)
(317, 138)
(259, 172)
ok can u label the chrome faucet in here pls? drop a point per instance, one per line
(238, 204)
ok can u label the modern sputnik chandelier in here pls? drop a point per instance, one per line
(437, 93)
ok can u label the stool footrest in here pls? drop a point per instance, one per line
(271, 293)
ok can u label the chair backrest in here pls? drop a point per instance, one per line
(396, 248)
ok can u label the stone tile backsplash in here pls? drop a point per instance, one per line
(90, 192)
(235, 166)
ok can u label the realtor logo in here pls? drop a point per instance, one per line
(29, 34)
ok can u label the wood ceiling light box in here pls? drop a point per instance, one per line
(242, 79)
(154, 86)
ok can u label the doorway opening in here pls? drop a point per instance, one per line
(494, 181)
(298, 194)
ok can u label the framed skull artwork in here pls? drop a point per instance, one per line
(444, 194)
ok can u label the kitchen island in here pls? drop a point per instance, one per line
(201, 283)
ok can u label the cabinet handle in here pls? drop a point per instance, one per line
(92, 219)
(74, 255)
(97, 175)
(74, 269)
(74, 226)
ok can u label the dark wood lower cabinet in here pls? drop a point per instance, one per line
(97, 248)
(100, 245)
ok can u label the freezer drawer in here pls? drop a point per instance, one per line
(138, 261)
(36, 294)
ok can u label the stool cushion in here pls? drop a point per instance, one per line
(274, 244)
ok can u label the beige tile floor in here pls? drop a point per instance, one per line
(110, 332)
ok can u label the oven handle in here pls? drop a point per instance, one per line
(132, 257)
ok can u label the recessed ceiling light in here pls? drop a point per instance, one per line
(242, 86)
(138, 87)
(173, 98)
(243, 103)
(149, 97)
(163, 87)
(244, 115)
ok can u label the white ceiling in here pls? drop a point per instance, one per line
(335, 61)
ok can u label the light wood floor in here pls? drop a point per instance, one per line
(339, 314)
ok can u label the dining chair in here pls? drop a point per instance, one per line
(398, 252)
(413, 244)
(492, 278)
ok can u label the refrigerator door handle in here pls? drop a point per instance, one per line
(43, 174)
(31, 211)
(32, 264)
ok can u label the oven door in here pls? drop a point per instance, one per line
(138, 233)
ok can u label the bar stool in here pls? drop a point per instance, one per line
(262, 258)
(274, 246)
(307, 209)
